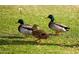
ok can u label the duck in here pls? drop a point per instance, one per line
(24, 28)
(57, 27)
(39, 34)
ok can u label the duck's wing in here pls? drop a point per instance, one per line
(61, 25)
(26, 26)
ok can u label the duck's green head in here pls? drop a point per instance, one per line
(51, 17)
(20, 21)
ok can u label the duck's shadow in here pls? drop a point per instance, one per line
(13, 41)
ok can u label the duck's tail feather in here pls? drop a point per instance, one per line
(67, 28)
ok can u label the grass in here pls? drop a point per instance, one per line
(13, 42)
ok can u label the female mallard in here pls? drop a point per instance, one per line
(57, 27)
(24, 28)
(38, 33)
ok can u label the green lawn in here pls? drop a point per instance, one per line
(13, 42)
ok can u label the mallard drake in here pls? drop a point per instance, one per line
(57, 27)
(24, 28)
(38, 33)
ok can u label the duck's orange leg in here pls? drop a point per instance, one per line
(57, 33)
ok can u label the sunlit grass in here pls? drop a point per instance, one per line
(11, 41)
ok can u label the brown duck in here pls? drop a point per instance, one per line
(38, 33)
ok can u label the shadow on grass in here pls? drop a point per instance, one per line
(22, 42)
(11, 36)
(12, 40)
